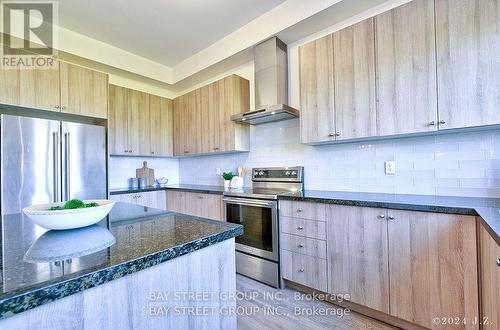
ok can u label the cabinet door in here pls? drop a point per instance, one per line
(432, 267)
(468, 48)
(206, 128)
(227, 109)
(317, 118)
(175, 201)
(406, 69)
(179, 126)
(213, 118)
(38, 89)
(490, 277)
(118, 120)
(160, 119)
(83, 91)
(139, 132)
(190, 140)
(357, 255)
(354, 72)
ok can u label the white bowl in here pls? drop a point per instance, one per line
(68, 219)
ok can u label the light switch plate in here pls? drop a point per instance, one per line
(390, 167)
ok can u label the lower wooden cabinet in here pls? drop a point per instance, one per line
(415, 266)
(154, 199)
(432, 267)
(489, 262)
(358, 260)
(203, 205)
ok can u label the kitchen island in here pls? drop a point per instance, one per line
(138, 268)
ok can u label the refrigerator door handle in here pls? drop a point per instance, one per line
(67, 166)
(55, 159)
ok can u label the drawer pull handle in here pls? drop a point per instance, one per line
(301, 270)
(300, 245)
(390, 217)
(299, 210)
(300, 227)
(381, 216)
(498, 261)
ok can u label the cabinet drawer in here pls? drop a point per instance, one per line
(305, 270)
(303, 245)
(303, 210)
(301, 227)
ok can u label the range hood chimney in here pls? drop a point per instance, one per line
(271, 85)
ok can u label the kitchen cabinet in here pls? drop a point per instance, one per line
(203, 118)
(65, 88)
(154, 199)
(197, 204)
(468, 44)
(489, 260)
(317, 116)
(358, 259)
(160, 113)
(37, 89)
(83, 91)
(406, 69)
(354, 81)
(139, 124)
(432, 267)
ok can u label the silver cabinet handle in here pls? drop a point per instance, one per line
(216, 148)
(390, 217)
(301, 270)
(432, 123)
(56, 106)
(442, 122)
(300, 245)
(63, 107)
(498, 261)
(299, 210)
(331, 134)
(337, 134)
(300, 227)
(381, 216)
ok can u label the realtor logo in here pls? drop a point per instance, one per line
(28, 37)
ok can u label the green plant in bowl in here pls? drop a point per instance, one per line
(228, 176)
(73, 204)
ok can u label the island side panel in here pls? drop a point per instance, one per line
(185, 292)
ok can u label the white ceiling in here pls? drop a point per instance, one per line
(165, 31)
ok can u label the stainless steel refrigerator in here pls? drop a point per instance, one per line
(44, 161)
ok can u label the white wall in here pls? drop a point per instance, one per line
(463, 164)
(122, 168)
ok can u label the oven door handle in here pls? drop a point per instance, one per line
(250, 202)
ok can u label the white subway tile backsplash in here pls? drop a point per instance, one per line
(460, 164)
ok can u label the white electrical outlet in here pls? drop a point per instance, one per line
(219, 171)
(390, 167)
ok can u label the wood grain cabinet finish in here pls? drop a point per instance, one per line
(406, 69)
(65, 88)
(317, 113)
(153, 199)
(202, 118)
(303, 245)
(354, 74)
(302, 227)
(303, 210)
(468, 44)
(304, 269)
(140, 124)
(489, 260)
(433, 267)
(83, 91)
(358, 259)
(203, 205)
(37, 89)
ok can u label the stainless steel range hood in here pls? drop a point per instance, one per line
(271, 85)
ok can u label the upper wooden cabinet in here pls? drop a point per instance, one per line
(354, 81)
(66, 88)
(435, 64)
(468, 48)
(139, 124)
(317, 117)
(406, 69)
(83, 91)
(202, 118)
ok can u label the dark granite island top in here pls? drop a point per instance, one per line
(486, 208)
(40, 266)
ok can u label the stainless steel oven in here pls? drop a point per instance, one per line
(256, 208)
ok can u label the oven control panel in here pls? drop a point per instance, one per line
(278, 174)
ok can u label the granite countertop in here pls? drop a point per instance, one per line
(40, 266)
(486, 208)
(183, 187)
